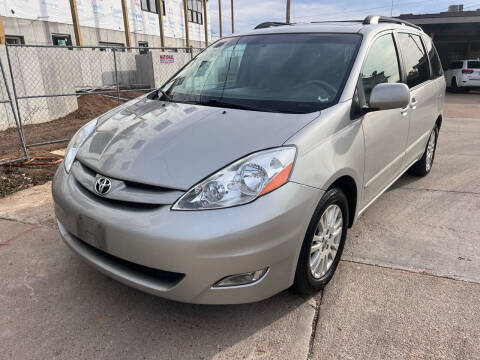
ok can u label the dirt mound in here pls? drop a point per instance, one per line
(24, 175)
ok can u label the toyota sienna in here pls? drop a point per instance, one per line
(242, 174)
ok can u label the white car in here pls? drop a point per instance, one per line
(463, 74)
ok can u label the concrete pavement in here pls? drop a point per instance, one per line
(53, 306)
(368, 312)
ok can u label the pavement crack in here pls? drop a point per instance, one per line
(26, 284)
(5, 218)
(440, 190)
(318, 303)
(424, 272)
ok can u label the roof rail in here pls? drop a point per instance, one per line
(374, 19)
(333, 21)
(268, 24)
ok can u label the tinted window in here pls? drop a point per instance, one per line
(416, 63)
(473, 65)
(456, 65)
(297, 73)
(435, 63)
(381, 66)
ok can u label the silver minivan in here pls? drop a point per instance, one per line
(242, 174)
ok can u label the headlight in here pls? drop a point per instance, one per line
(76, 142)
(241, 182)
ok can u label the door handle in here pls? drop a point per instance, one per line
(413, 104)
(404, 111)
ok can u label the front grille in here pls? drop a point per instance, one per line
(114, 202)
(124, 192)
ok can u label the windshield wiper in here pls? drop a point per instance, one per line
(218, 103)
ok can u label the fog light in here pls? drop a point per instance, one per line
(241, 279)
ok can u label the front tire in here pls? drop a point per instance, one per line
(423, 166)
(323, 243)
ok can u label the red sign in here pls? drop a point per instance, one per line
(167, 59)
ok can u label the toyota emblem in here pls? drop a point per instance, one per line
(103, 185)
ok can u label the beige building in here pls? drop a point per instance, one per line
(42, 22)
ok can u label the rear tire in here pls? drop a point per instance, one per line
(454, 87)
(323, 243)
(423, 166)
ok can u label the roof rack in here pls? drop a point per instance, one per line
(334, 21)
(268, 24)
(374, 19)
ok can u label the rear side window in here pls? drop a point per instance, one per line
(435, 63)
(456, 65)
(473, 64)
(416, 63)
(381, 66)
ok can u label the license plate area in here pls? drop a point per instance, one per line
(91, 231)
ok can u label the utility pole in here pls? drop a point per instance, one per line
(76, 23)
(2, 32)
(160, 22)
(233, 26)
(287, 19)
(126, 23)
(185, 12)
(205, 21)
(220, 17)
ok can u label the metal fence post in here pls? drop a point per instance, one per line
(116, 75)
(191, 52)
(16, 115)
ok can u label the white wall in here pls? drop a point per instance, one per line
(34, 75)
(104, 14)
(40, 33)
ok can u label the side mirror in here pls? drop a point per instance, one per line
(388, 96)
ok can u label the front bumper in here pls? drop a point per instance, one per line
(190, 250)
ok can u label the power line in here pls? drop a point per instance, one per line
(473, 5)
(361, 9)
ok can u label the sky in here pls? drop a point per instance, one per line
(249, 13)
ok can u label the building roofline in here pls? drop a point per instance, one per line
(445, 14)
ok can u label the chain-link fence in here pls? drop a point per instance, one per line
(12, 146)
(57, 89)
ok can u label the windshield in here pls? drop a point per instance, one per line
(292, 73)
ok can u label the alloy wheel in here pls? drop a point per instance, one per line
(326, 241)
(430, 151)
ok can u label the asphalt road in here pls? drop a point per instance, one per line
(408, 286)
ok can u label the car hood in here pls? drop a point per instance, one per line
(176, 145)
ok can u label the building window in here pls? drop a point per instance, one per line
(195, 11)
(120, 46)
(143, 45)
(151, 6)
(14, 39)
(61, 40)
